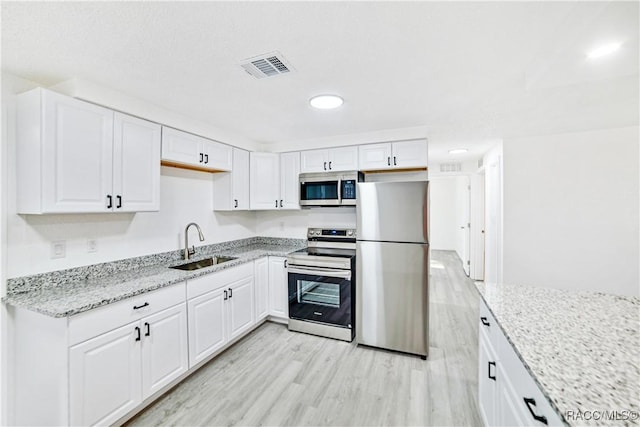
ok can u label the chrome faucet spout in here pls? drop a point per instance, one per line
(191, 251)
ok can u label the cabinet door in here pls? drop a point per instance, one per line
(289, 181)
(206, 325)
(410, 154)
(164, 348)
(182, 148)
(508, 404)
(374, 156)
(240, 305)
(217, 156)
(278, 288)
(264, 179)
(314, 161)
(487, 377)
(136, 164)
(261, 283)
(77, 155)
(343, 159)
(104, 377)
(240, 180)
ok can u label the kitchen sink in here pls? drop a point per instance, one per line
(207, 262)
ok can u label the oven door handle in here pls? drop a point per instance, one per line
(343, 274)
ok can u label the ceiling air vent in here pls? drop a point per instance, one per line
(267, 65)
(450, 167)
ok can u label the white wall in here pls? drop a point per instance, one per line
(571, 211)
(294, 224)
(185, 196)
(448, 213)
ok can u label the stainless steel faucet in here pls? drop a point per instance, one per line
(188, 252)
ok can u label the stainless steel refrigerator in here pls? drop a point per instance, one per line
(392, 266)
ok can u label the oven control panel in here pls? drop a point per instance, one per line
(331, 233)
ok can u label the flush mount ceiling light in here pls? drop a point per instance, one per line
(326, 102)
(458, 151)
(603, 50)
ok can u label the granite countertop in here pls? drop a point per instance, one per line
(68, 292)
(582, 348)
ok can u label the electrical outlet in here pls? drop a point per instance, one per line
(58, 249)
(92, 245)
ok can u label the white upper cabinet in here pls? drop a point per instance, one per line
(231, 190)
(333, 159)
(194, 152)
(274, 180)
(394, 155)
(74, 156)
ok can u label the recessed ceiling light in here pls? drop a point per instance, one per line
(604, 50)
(326, 102)
(458, 151)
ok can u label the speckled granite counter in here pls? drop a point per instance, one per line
(582, 348)
(68, 292)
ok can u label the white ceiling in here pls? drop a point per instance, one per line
(470, 72)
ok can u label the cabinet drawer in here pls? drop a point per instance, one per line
(211, 282)
(103, 319)
(524, 387)
(487, 324)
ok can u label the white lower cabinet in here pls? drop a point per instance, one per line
(507, 394)
(261, 282)
(111, 374)
(221, 308)
(278, 288)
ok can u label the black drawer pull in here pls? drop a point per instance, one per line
(148, 327)
(388, 161)
(226, 295)
(329, 165)
(484, 321)
(394, 161)
(325, 165)
(201, 157)
(206, 159)
(138, 307)
(491, 377)
(230, 293)
(235, 203)
(532, 402)
(119, 205)
(137, 333)
(280, 202)
(109, 201)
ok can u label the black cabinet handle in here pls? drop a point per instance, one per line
(119, 205)
(491, 377)
(138, 333)
(329, 165)
(226, 295)
(325, 165)
(285, 263)
(280, 202)
(276, 203)
(235, 201)
(206, 159)
(148, 327)
(201, 157)
(109, 201)
(394, 161)
(388, 161)
(484, 321)
(532, 402)
(230, 293)
(138, 307)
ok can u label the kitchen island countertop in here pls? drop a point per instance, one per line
(68, 292)
(581, 348)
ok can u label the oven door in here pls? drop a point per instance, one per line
(323, 191)
(320, 295)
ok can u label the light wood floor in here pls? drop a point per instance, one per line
(276, 377)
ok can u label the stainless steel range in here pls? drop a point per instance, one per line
(322, 284)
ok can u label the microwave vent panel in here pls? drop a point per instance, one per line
(267, 65)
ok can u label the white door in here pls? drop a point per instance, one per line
(374, 156)
(410, 154)
(278, 288)
(217, 156)
(264, 181)
(240, 180)
(477, 227)
(181, 147)
(206, 325)
(241, 307)
(493, 232)
(487, 388)
(164, 348)
(77, 155)
(463, 195)
(343, 159)
(289, 181)
(261, 283)
(136, 164)
(104, 377)
(314, 161)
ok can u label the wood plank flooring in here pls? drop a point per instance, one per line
(274, 377)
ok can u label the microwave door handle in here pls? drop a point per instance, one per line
(339, 191)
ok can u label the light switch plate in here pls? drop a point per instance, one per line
(58, 249)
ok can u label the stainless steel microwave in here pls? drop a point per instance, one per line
(329, 189)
